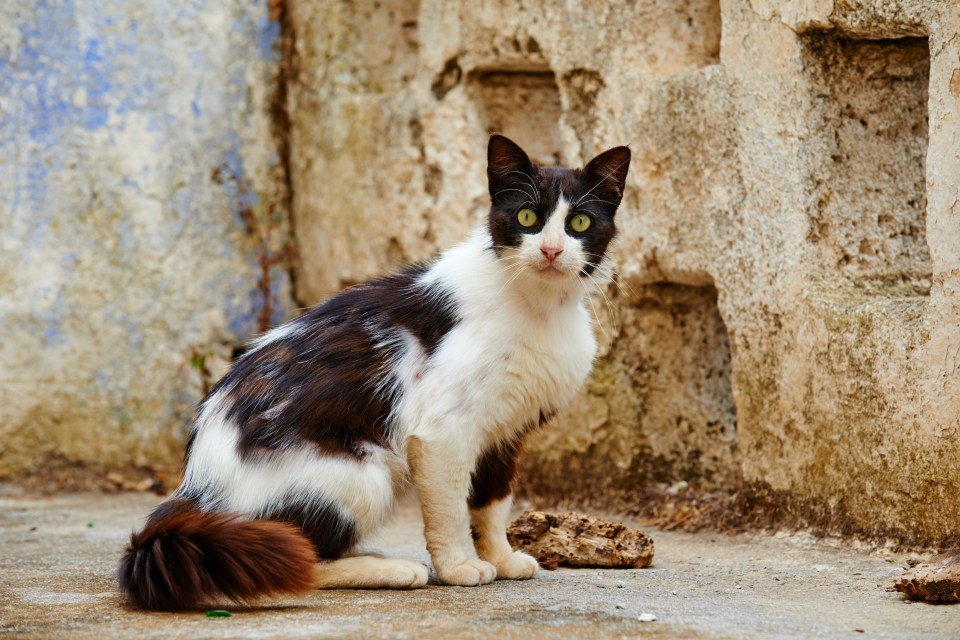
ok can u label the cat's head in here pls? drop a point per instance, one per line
(554, 223)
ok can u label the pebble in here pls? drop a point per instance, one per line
(619, 605)
(620, 584)
(647, 617)
(677, 487)
(674, 592)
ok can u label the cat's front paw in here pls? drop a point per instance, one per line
(471, 573)
(517, 566)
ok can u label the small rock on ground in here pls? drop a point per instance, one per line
(579, 540)
(935, 581)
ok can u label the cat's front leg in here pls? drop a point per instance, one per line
(441, 474)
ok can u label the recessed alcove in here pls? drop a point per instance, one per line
(868, 210)
(658, 408)
(522, 105)
(676, 36)
(682, 371)
(697, 23)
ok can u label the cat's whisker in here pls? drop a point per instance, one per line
(523, 191)
(602, 180)
(518, 267)
(593, 307)
(606, 269)
(610, 306)
(601, 287)
(510, 281)
(523, 204)
(511, 259)
(623, 286)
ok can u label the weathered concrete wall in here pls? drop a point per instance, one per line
(138, 171)
(789, 254)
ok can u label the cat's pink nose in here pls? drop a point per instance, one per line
(551, 252)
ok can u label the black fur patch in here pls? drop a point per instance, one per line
(322, 383)
(331, 533)
(493, 477)
(517, 183)
(496, 469)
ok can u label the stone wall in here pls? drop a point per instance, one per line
(789, 254)
(785, 314)
(139, 177)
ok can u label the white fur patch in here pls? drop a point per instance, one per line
(281, 332)
(362, 489)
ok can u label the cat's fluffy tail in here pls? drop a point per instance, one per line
(185, 558)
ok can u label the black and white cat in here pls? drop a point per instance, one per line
(433, 375)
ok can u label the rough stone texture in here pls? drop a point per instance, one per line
(934, 581)
(138, 173)
(789, 254)
(579, 540)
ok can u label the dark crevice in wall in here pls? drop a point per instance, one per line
(447, 79)
(711, 30)
(281, 127)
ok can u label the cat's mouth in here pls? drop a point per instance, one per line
(551, 270)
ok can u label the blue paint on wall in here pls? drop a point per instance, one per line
(267, 36)
(51, 67)
(81, 72)
(52, 318)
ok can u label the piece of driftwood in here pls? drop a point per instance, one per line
(579, 540)
(934, 581)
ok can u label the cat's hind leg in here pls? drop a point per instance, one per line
(490, 528)
(371, 572)
(491, 497)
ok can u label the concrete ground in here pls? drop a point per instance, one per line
(58, 556)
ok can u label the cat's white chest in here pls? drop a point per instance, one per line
(518, 348)
(543, 366)
(494, 374)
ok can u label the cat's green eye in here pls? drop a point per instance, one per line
(527, 217)
(580, 222)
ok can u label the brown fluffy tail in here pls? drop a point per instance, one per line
(185, 558)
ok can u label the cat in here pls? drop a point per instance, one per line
(430, 377)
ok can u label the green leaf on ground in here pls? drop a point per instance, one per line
(219, 613)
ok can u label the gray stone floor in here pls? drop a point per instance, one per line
(58, 555)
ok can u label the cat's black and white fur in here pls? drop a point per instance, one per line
(431, 376)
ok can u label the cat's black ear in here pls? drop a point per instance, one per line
(606, 175)
(507, 164)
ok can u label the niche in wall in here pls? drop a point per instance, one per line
(682, 371)
(522, 105)
(868, 214)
